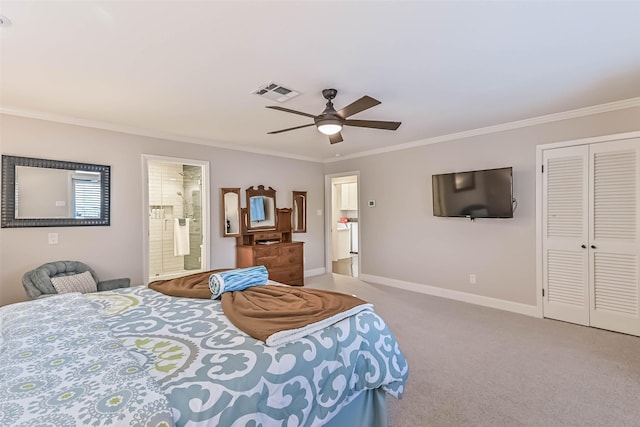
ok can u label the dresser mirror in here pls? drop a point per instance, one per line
(299, 214)
(261, 208)
(53, 193)
(230, 212)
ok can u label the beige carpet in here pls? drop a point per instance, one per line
(475, 366)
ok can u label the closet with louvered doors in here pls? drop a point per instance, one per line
(590, 245)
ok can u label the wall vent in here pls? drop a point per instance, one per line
(276, 92)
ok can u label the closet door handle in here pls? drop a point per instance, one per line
(584, 246)
(593, 246)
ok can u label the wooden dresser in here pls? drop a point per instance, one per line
(283, 258)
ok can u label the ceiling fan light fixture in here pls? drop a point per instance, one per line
(329, 126)
(330, 121)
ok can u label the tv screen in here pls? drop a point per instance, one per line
(474, 194)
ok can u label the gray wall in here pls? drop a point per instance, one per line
(116, 251)
(402, 240)
(41, 189)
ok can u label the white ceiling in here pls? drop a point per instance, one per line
(186, 70)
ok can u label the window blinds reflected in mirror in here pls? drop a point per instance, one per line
(54, 193)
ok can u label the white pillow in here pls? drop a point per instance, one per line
(82, 282)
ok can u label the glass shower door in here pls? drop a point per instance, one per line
(175, 244)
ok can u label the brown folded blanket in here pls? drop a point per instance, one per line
(280, 314)
(191, 286)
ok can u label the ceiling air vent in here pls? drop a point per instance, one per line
(276, 92)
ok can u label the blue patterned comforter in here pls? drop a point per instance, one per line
(216, 375)
(60, 366)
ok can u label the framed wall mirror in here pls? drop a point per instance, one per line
(261, 208)
(299, 214)
(54, 193)
(230, 212)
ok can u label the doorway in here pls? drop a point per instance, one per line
(176, 214)
(343, 228)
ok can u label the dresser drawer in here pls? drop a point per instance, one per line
(287, 275)
(267, 235)
(268, 261)
(265, 251)
(283, 260)
(287, 250)
(289, 260)
(279, 261)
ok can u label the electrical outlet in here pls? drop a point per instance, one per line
(472, 279)
(53, 238)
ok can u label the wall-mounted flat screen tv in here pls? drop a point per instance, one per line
(474, 194)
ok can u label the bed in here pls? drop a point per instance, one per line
(135, 356)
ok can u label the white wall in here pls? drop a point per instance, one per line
(402, 240)
(116, 251)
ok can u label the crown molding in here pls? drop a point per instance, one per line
(548, 118)
(32, 114)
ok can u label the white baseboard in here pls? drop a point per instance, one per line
(528, 310)
(315, 272)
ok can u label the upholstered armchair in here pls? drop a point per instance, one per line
(38, 282)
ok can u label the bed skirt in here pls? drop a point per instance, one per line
(368, 409)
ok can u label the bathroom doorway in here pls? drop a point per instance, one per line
(343, 248)
(177, 217)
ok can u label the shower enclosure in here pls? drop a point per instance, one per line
(175, 218)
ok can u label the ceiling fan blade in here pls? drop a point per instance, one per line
(375, 124)
(286, 110)
(335, 138)
(285, 130)
(355, 107)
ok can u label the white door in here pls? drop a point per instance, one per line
(613, 240)
(590, 235)
(565, 234)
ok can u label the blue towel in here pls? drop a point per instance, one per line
(237, 280)
(257, 208)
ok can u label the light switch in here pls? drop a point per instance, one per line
(53, 238)
(319, 212)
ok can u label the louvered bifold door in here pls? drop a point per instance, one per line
(613, 236)
(565, 232)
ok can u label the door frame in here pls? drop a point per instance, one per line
(206, 208)
(328, 212)
(539, 199)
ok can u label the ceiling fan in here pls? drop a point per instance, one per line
(330, 121)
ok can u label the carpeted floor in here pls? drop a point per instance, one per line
(476, 366)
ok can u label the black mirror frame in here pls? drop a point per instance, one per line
(9, 219)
